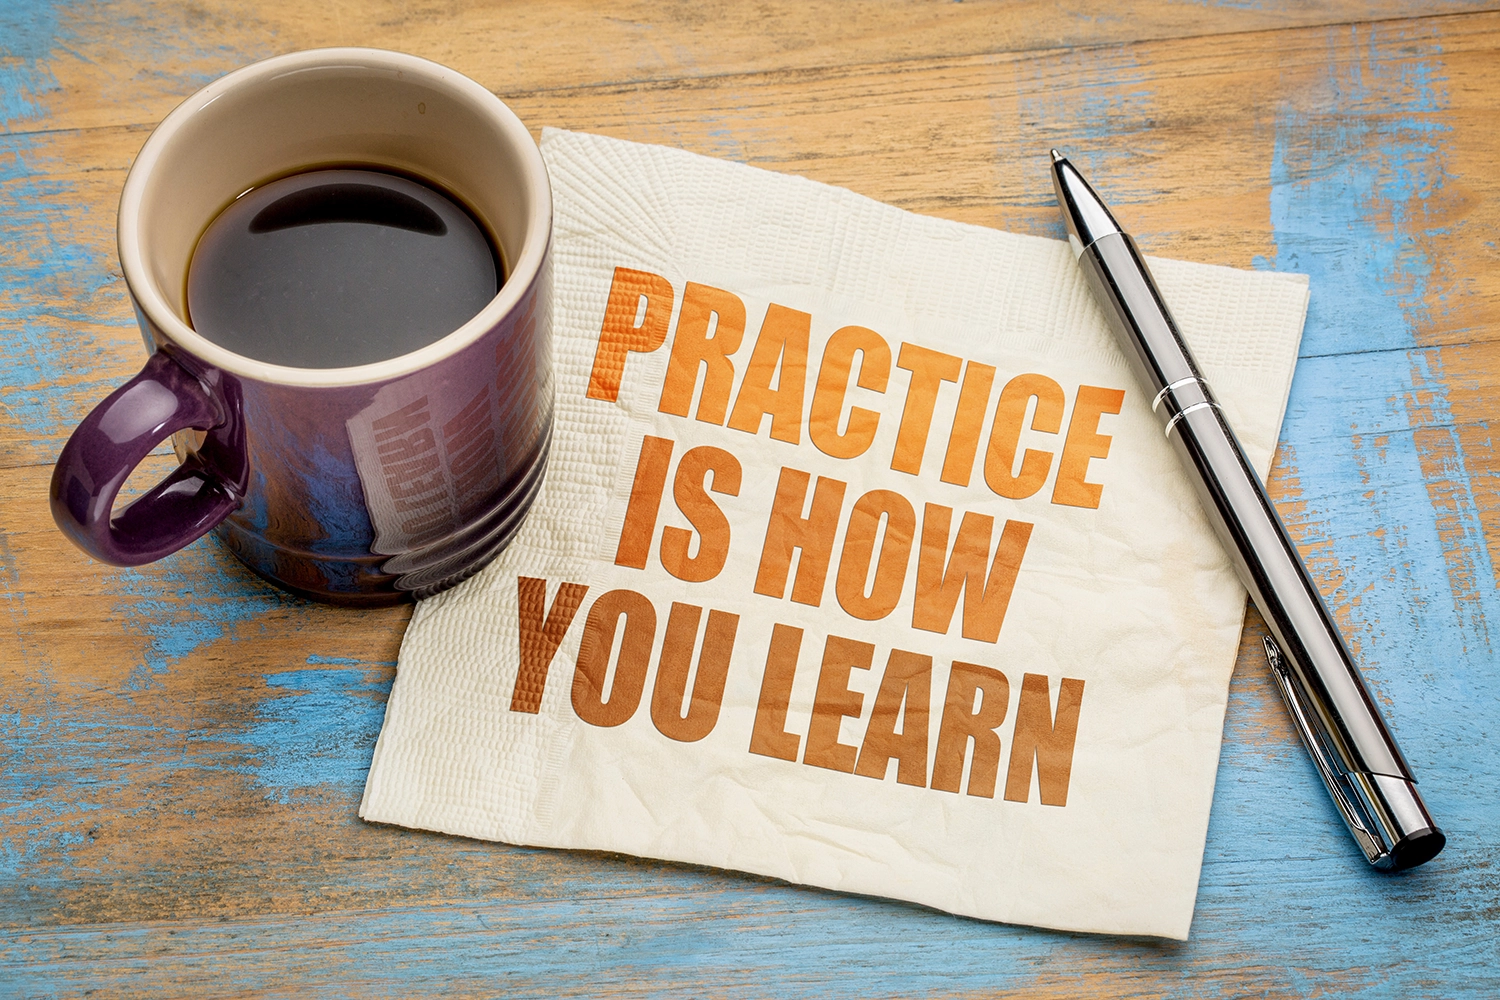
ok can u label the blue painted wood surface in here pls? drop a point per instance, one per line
(182, 748)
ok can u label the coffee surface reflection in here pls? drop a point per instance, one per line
(336, 268)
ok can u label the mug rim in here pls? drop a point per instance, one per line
(524, 269)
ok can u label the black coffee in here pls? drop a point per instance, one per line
(333, 268)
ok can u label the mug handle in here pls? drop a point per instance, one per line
(115, 437)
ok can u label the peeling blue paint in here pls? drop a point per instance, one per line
(29, 30)
(320, 731)
(43, 268)
(343, 661)
(64, 756)
(189, 599)
(10, 577)
(1105, 97)
(44, 758)
(1356, 163)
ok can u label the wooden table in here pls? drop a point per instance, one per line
(182, 748)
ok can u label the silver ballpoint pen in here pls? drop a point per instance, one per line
(1365, 772)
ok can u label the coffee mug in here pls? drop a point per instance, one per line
(367, 484)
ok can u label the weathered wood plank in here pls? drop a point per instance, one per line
(563, 923)
(130, 63)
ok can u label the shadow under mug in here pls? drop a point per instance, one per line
(361, 485)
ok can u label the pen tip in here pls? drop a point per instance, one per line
(1057, 157)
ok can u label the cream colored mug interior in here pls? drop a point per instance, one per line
(317, 108)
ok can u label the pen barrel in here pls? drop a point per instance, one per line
(1328, 699)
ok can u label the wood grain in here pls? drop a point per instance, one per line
(182, 748)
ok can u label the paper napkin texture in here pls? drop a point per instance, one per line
(861, 561)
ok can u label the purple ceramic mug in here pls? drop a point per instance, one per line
(359, 485)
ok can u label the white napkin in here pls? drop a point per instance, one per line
(1060, 775)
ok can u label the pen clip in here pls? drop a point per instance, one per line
(1340, 785)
